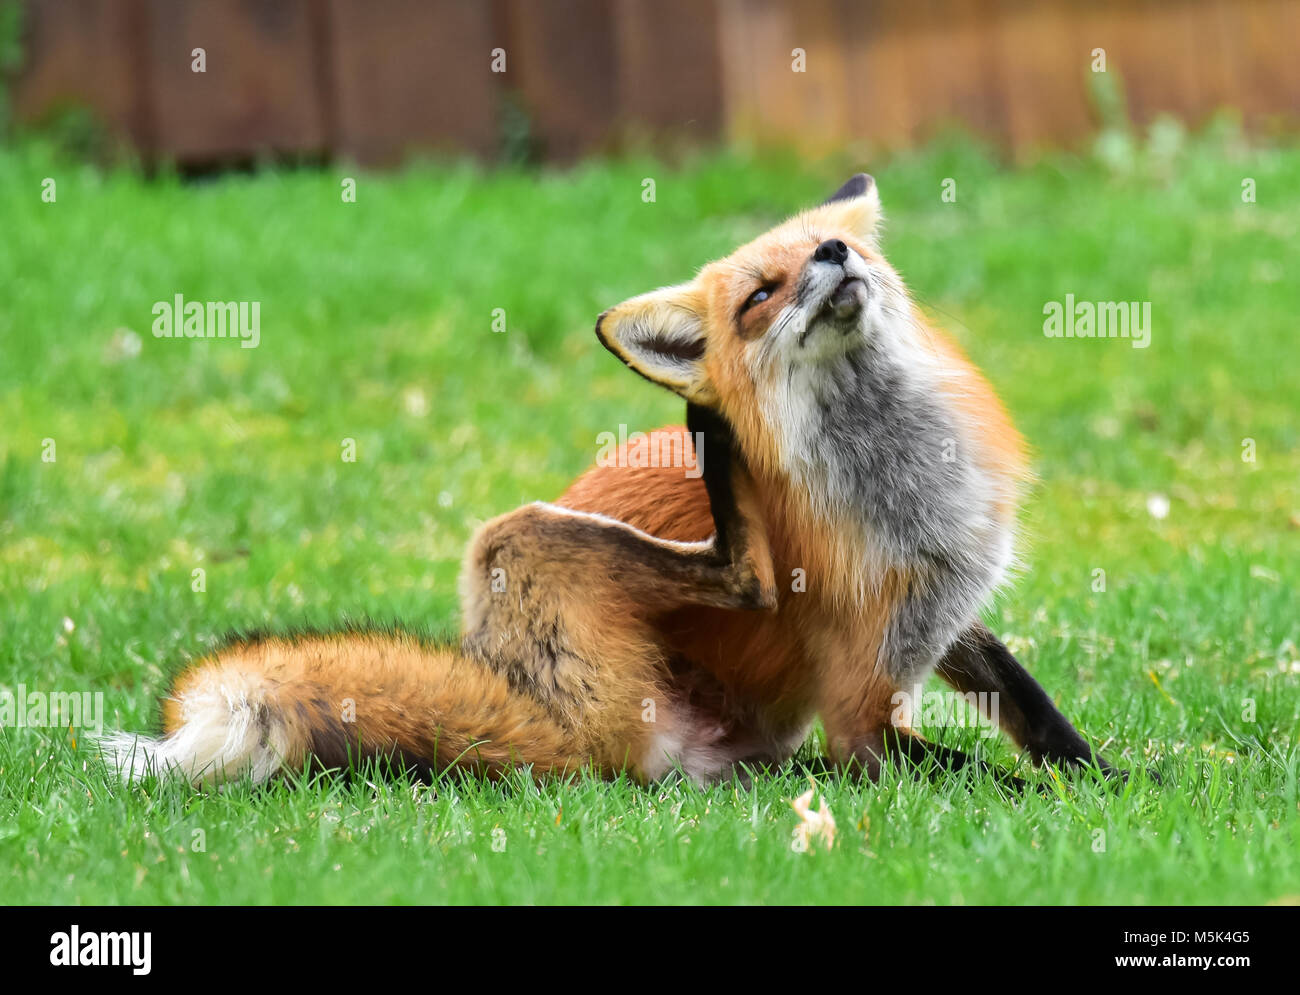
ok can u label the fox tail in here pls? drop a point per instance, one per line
(261, 707)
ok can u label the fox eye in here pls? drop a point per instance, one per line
(758, 297)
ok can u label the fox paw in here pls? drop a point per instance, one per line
(752, 593)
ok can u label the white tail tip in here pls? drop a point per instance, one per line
(223, 736)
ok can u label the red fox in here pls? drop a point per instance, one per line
(888, 472)
(638, 625)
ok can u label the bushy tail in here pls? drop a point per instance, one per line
(261, 707)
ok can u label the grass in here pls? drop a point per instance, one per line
(176, 455)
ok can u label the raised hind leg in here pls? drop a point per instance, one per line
(563, 603)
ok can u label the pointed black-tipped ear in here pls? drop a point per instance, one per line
(661, 335)
(857, 186)
(853, 209)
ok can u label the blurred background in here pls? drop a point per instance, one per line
(526, 80)
(429, 242)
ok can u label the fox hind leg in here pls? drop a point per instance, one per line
(563, 603)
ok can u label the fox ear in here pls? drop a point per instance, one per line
(856, 206)
(856, 186)
(661, 335)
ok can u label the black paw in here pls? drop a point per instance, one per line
(1120, 775)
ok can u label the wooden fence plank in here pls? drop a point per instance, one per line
(1270, 87)
(1042, 71)
(669, 77)
(80, 53)
(756, 59)
(414, 75)
(960, 66)
(258, 94)
(563, 65)
(888, 53)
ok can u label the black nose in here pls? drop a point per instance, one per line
(831, 251)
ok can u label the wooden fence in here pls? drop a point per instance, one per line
(375, 81)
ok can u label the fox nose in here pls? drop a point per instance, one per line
(831, 251)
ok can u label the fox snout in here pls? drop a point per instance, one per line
(837, 285)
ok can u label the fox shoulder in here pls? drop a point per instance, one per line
(664, 501)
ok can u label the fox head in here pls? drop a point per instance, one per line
(807, 342)
(808, 290)
(771, 322)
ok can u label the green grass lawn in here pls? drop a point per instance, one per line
(377, 326)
